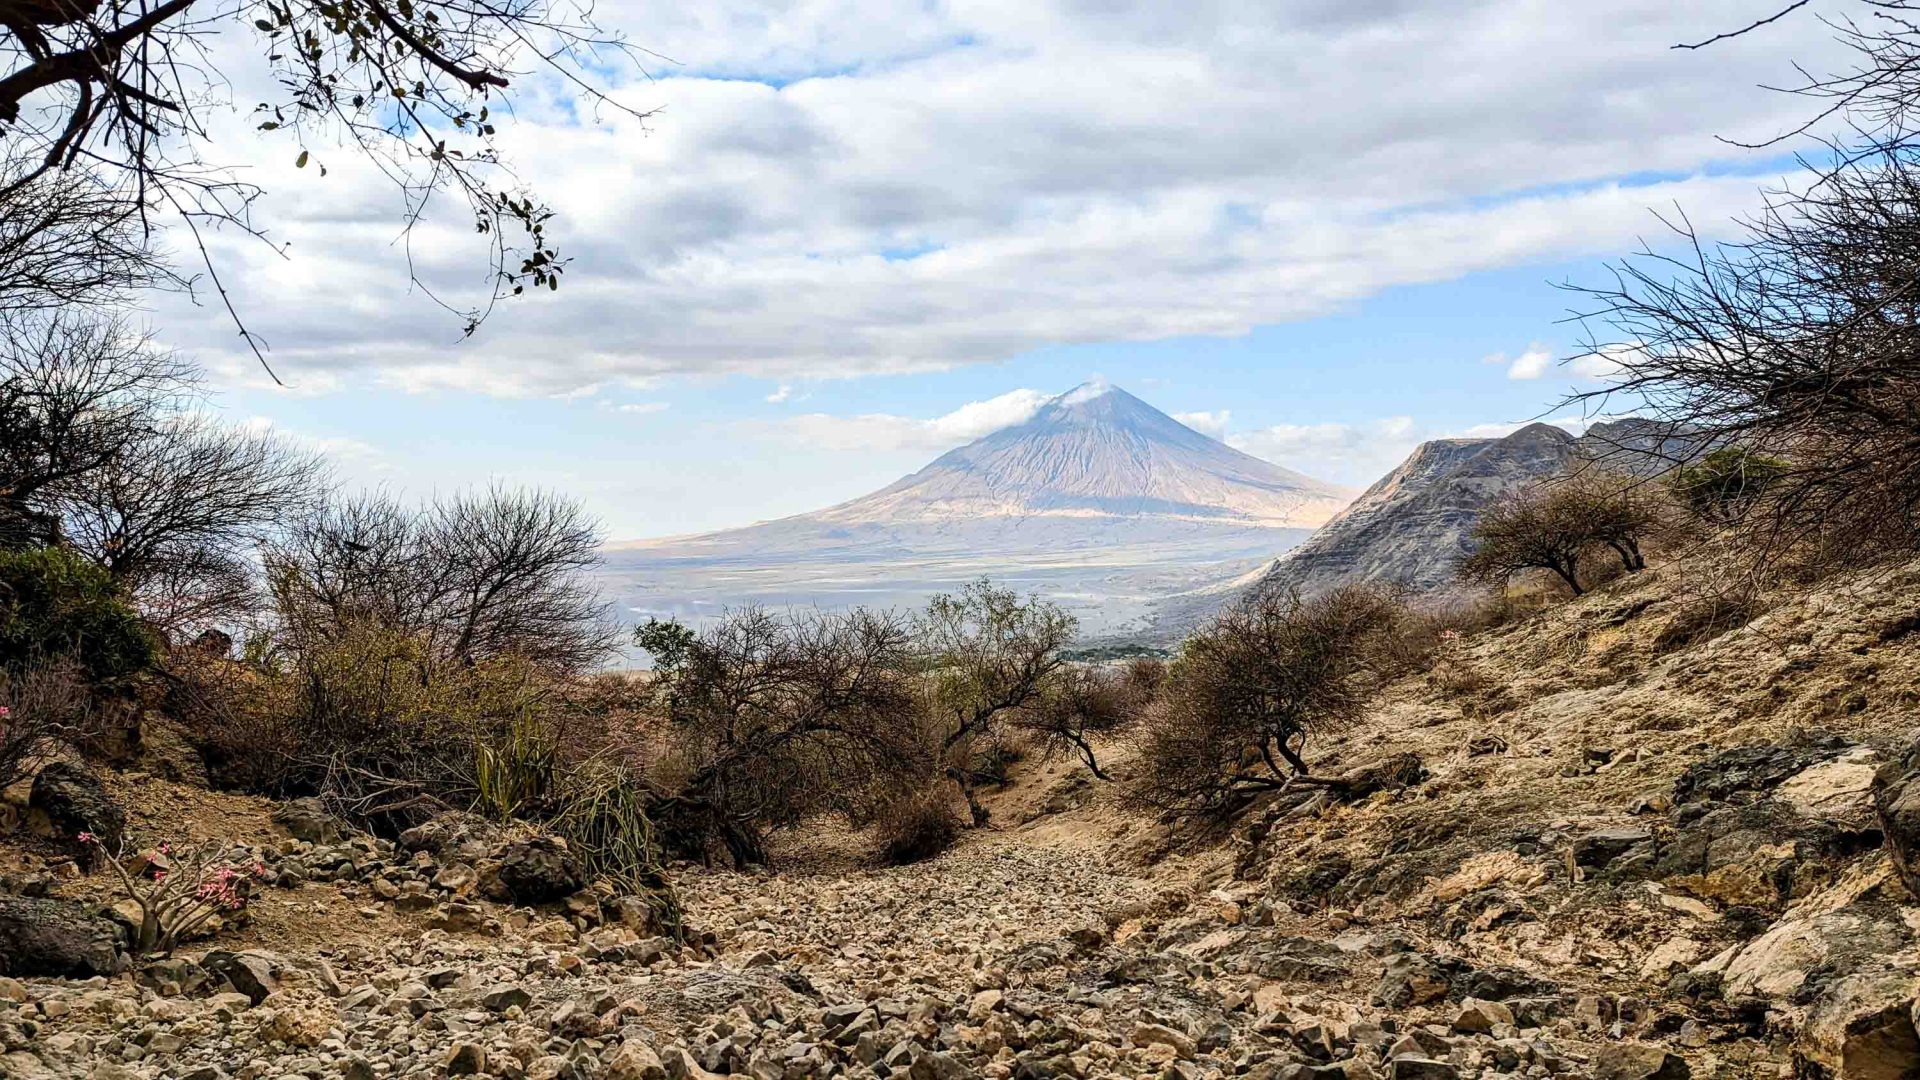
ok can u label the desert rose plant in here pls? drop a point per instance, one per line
(179, 891)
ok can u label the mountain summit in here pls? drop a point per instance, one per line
(1098, 499)
(1099, 452)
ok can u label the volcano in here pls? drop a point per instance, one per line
(1098, 500)
(1104, 460)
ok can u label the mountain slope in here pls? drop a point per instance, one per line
(1098, 452)
(1098, 500)
(1413, 525)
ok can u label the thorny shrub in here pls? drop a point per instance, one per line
(1249, 688)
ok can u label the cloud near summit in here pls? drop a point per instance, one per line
(833, 189)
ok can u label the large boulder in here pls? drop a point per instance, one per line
(539, 870)
(1848, 980)
(1896, 803)
(1763, 853)
(74, 801)
(254, 972)
(309, 819)
(56, 939)
(1747, 771)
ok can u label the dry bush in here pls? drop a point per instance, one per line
(1561, 525)
(362, 716)
(1086, 703)
(39, 707)
(918, 825)
(1247, 690)
(777, 718)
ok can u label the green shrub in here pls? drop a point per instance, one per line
(1725, 484)
(57, 607)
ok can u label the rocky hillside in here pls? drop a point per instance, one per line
(1617, 846)
(1414, 524)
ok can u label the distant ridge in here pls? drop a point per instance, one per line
(1412, 526)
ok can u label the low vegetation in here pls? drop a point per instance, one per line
(1248, 690)
(1560, 526)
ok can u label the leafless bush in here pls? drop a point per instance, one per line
(38, 707)
(779, 718)
(475, 576)
(1247, 691)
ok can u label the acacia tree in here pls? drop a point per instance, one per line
(122, 91)
(1619, 511)
(994, 660)
(474, 576)
(175, 517)
(67, 240)
(1247, 690)
(1527, 530)
(777, 718)
(1725, 484)
(76, 393)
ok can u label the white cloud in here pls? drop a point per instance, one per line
(1207, 423)
(1530, 364)
(888, 432)
(355, 456)
(914, 187)
(641, 407)
(782, 394)
(1354, 454)
(1572, 425)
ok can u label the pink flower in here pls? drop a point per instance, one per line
(86, 838)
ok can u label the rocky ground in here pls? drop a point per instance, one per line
(1612, 850)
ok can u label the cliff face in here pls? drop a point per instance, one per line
(1411, 526)
(1414, 524)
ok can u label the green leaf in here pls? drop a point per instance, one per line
(301, 161)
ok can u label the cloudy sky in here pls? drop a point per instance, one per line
(856, 233)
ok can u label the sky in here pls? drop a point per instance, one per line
(853, 234)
